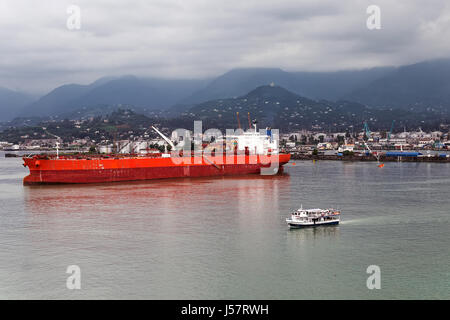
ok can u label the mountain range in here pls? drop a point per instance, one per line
(417, 87)
(316, 85)
(271, 105)
(143, 93)
(274, 106)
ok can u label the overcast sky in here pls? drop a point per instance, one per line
(204, 38)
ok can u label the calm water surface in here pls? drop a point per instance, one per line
(226, 238)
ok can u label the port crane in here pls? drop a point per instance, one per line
(239, 122)
(368, 135)
(390, 132)
(367, 130)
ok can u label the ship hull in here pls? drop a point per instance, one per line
(65, 171)
(297, 225)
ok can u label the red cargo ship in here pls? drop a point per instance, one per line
(72, 169)
(253, 153)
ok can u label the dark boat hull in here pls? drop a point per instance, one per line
(300, 226)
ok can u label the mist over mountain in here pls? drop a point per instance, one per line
(337, 85)
(418, 86)
(318, 85)
(11, 102)
(423, 86)
(142, 93)
(152, 94)
(238, 82)
(57, 101)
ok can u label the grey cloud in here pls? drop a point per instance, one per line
(198, 38)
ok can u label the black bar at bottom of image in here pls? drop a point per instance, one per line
(226, 309)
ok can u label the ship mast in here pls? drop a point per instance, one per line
(57, 142)
(254, 124)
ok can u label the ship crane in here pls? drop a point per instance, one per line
(165, 138)
(377, 156)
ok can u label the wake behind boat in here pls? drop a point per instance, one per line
(313, 217)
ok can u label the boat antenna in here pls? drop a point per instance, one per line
(165, 138)
(239, 123)
(57, 142)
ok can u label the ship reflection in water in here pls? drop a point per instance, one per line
(161, 197)
(308, 233)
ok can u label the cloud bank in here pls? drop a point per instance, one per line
(203, 38)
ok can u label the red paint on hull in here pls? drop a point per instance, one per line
(51, 171)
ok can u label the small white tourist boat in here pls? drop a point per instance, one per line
(313, 217)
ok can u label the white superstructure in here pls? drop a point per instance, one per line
(313, 217)
(256, 142)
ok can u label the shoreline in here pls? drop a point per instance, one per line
(353, 158)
